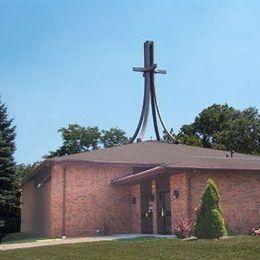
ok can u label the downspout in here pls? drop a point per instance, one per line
(64, 202)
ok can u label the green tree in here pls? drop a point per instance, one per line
(186, 136)
(210, 223)
(77, 139)
(168, 139)
(113, 137)
(242, 134)
(9, 183)
(23, 169)
(223, 127)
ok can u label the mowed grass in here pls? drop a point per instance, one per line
(239, 247)
(14, 238)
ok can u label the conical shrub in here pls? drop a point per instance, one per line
(210, 223)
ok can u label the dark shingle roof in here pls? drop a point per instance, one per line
(151, 152)
(243, 163)
(161, 156)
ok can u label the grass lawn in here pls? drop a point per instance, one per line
(239, 247)
(20, 238)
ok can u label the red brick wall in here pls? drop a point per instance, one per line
(136, 209)
(56, 206)
(91, 201)
(240, 198)
(179, 206)
(35, 211)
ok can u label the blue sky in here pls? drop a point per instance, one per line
(67, 62)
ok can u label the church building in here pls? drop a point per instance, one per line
(141, 187)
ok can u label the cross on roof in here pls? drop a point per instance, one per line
(149, 69)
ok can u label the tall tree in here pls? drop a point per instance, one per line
(223, 127)
(77, 139)
(9, 183)
(113, 137)
(242, 134)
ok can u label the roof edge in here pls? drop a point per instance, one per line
(52, 161)
(135, 178)
(95, 162)
(35, 170)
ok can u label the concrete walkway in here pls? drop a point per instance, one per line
(62, 241)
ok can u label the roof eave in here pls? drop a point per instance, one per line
(111, 163)
(154, 172)
(43, 164)
(53, 161)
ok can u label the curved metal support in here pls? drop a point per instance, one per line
(155, 124)
(149, 69)
(140, 119)
(160, 118)
(146, 109)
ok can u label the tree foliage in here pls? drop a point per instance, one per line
(9, 183)
(210, 223)
(218, 126)
(223, 127)
(167, 139)
(113, 137)
(23, 169)
(78, 139)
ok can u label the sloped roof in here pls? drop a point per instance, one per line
(152, 152)
(208, 162)
(162, 157)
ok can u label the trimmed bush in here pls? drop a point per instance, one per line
(183, 228)
(210, 223)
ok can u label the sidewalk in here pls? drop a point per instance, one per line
(61, 241)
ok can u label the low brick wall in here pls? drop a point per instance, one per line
(240, 198)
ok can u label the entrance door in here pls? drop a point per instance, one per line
(146, 208)
(163, 206)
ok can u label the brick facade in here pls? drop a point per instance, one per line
(179, 206)
(92, 203)
(79, 199)
(136, 209)
(240, 198)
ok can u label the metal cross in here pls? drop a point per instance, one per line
(149, 69)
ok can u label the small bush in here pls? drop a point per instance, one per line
(184, 228)
(256, 231)
(210, 223)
